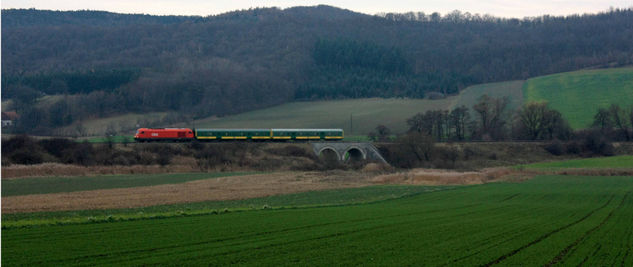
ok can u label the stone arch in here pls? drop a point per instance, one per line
(325, 153)
(355, 153)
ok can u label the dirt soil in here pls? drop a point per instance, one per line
(448, 177)
(225, 188)
(239, 187)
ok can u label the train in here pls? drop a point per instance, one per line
(187, 134)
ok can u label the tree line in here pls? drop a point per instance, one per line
(493, 121)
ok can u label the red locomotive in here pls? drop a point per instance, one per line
(164, 134)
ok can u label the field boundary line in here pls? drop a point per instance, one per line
(541, 238)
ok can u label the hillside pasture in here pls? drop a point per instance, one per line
(512, 89)
(364, 114)
(557, 220)
(566, 92)
(579, 94)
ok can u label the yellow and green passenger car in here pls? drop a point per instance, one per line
(268, 134)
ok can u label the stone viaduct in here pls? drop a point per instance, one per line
(348, 151)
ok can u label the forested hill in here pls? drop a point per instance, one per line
(116, 63)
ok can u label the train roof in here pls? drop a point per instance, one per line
(273, 129)
(303, 130)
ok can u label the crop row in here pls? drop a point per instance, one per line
(550, 219)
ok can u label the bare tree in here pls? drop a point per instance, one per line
(491, 116)
(602, 119)
(419, 144)
(618, 117)
(459, 118)
(532, 119)
(381, 134)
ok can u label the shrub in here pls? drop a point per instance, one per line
(555, 148)
(572, 147)
(291, 151)
(195, 145)
(57, 146)
(597, 144)
(164, 158)
(82, 154)
(23, 149)
(25, 156)
(19, 142)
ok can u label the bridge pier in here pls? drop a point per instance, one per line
(349, 151)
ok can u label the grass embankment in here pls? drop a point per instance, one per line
(550, 219)
(45, 185)
(624, 161)
(579, 94)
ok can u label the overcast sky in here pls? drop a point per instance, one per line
(501, 8)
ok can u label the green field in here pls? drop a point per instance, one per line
(45, 185)
(624, 161)
(564, 220)
(579, 94)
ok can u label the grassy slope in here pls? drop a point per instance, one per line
(44, 185)
(513, 90)
(366, 113)
(571, 220)
(578, 95)
(625, 161)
